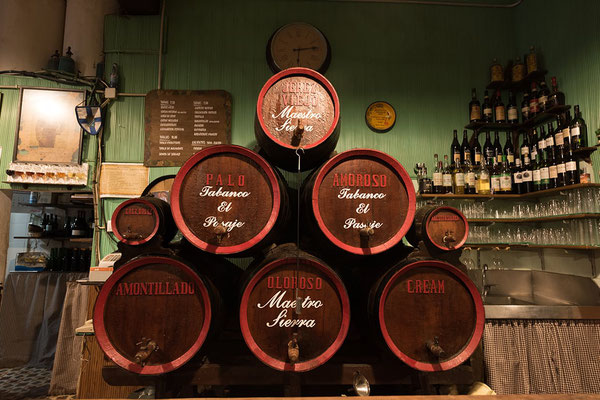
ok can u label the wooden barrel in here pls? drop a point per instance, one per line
(228, 200)
(153, 314)
(138, 221)
(441, 228)
(361, 200)
(298, 107)
(429, 314)
(273, 330)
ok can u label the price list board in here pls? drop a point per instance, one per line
(179, 123)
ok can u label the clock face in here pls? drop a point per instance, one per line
(298, 45)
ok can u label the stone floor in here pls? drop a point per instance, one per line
(26, 383)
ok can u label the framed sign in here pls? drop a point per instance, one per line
(179, 123)
(47, 129)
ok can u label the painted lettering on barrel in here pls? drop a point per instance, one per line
(137, 211)
(282, 320)
(360, 180)
(154, 289)
(287, 282)
(425, 286)
(225, 180)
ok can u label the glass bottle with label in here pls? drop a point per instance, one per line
(455, 148)
(552, 167)
(458, 178)
(556, 98)
(560, 165)
(505, 177)
(558, 132)
(465, 149)
(543, 94)
(447, 176)
(571, 167)
(531, 60)
(495, 176)
(474, 107)
(476, 151)
(525, 107)
(79, 227)
(544, 173)
(517, 174)
(487, 108)
(578, 130)
(533, 101)
(509, 149)
(488, 148)
(512, 111)
(499, 109)
(567, 127)
(537, 177)
(438, 186)
(541, 147)
(549, 139)
(469, 178)
(527, 175)
(518, 70)
(483, 183)
(497, 148)
(525, 148)
(496, 71)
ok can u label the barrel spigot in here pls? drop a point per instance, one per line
(434, 348)
(293, 349)
(220, 232)
(448, 238)
(299, 129)
(366, 233)
(145, 349)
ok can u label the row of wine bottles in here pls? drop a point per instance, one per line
(533, 103)
(518, 68)
(78, 227)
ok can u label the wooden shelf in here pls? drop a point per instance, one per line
(58, 238)
(585, 153)
(539, 193)
(544, 117)
(507, 246)
(56, 205)
(537, 219)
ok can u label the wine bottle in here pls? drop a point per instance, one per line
(488, 148)
(67, 227)
(469, 178)
(499, 110)
(527, 175)
(483, 183)
(438, 185)
(533, 101)
(525, 108)
(458, 178)
(537, 177)
(550, 139)
(543, 96)
(534, 144)
(560, 165)
(512, 111)
(541, 147)
(557, 98)
(79, 227)
(567, 127)
(474, 107)
(578, 130)
(571, 167)
(552, 167)
(509, 149)
(465, 149)
(447, 176)
(487, 108)
(497, 148)
(496, 71)
(476, 151)
(505, 177)
(558, 132)
(495, 173)
(455, 148)
(517, 174)
(518, 70)
(531, 59)
(544, 173)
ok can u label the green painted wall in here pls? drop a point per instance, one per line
(570, 49)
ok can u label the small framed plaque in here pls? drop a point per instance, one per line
(380, 116)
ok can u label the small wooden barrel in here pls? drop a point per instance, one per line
(298, 107)
(228, 200)
(429, 313)
(441, 228)
(274, 332)
(153, 314)
(137, 221)
(361, 200)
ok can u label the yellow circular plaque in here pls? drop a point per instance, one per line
(380, 116)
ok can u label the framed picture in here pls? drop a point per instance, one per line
(47, 128)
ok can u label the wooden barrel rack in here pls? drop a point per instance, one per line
(297, 107)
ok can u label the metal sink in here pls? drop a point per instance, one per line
(524, 294)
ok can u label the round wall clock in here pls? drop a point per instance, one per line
(298, 45)
(380, 116)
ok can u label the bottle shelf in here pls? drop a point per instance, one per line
(508, 246)
(543, 117)
(58, 238)
(56, 205)
(520, 86)
(535, 219)
(539, 193)
(585, 153)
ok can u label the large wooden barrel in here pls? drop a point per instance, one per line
(361, 200)
(228, 200)
(429, 314)
(153, 314)
(298, 107)
(140, 220)
(441, 228)
(287, 333)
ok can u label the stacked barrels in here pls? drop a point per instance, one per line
(293, 307)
